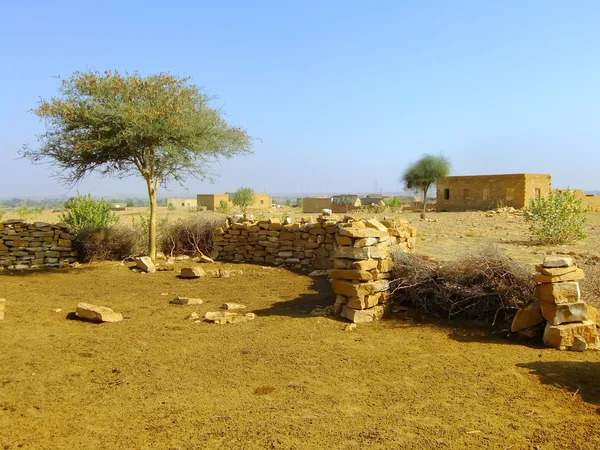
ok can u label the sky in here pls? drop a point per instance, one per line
(339, 96)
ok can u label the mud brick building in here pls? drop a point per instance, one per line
(182, 203)
(212, 201)
(482, 192)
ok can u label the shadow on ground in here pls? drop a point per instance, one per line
(579, 377)
(465, 332)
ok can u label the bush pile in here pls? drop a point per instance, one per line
(486, 288)
(192, 235)
(109, 243)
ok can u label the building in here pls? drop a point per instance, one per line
(182, 203)
(591, 200)
(345, 203)
(316, 204)
(483, 192)
(213, 201)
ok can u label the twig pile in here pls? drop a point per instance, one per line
(486, 287)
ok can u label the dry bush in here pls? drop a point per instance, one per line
(115, 242)
(590, 285)
(191, 235)
(486, 288)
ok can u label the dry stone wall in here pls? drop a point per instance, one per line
(356, 253)
(35, 245)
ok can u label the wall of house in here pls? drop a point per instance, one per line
(482, 192)
(593, 201)
(182, 203)
(211, 201)
(262, 201)
(316, 204)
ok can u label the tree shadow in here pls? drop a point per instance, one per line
(480, 333)
(31, 272)
(579, 377)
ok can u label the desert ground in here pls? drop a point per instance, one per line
(288, 379)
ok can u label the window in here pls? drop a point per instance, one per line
(538, 192)
(486, 194)
(183, 204)
(467, 194)
(510, 194)
(446, 194)
(262, 202)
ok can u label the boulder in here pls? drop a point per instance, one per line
(192, 272)
(95, 313)
(527, 317)
(144, 263)
(567, 292)
(563, 336)
(206, 259)
(564, 312)
(579, 344)
(177, 300)
(557, 261)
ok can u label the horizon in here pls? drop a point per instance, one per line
(339, 97)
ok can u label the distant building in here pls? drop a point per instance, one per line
(119, 206)
(483, 192)
(345, 203)
(182, 203)
(591, 200)
(212, 201)
(316, 204)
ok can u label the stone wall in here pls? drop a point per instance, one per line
(24, 245)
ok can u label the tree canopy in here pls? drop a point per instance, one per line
(158, 126)
(420, 175)
(243, 198)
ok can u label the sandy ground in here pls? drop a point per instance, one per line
(287, 379)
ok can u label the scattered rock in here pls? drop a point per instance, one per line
(145, 264)
(579, 344)
(95, 313)
(177, 300)
(318, 273)
(165, 268)
(350, 327)
(193, 316)
(57, 310)
(206, 259)
(223, 317)
(233, 306)
(192, 272)
(326, 212)
(182, 258)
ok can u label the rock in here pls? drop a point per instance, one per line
(177, 300)
(233, 306)
(564, 312)
(193, 316)
(579, 344)
(2, 308)
(527, 317)
(223, 317)
(350, 327)
(95, 313)
(170, 260)
(365, 242)
(349, 289)
(206, 259)
(224, 273)
(567, 292)
(326, 212)
(362, 316)
(182, 258)
(350, 274)
(576, 275)
(563, 336)
(376, 224)
(363, 301)
(145, 264)
(357, 232)
(367, 264)
(592, 313)
(192, 272)
(319, 312)
(318, 273)
(555, 271)
(557, 261)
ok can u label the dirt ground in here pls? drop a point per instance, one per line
(287, 379)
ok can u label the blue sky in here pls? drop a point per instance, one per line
(339, 94)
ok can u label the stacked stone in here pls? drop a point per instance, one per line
(361, 268)
(304, 244)
(571, 323)
(30, 246)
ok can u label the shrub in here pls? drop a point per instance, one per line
(223, 206)
(243, 198)
(26, 213)
(300, 203)
(557, 219)
(115, 242)
(393, 202)
(191, 235)
(85, 212)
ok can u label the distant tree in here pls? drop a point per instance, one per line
(85, 212)
(160, 127)
(425, 172)
(243, 198)
(300, 203)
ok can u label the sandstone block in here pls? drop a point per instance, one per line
(363, 301)
(376, 224)
(143, 263)
(555, 271)
(192, 272)
(571, 276)
(365, 242)
(367, 264)
(557, 261)
(224, 317)
(564, 312)
(350, 274)
(343, 240)
(351, 252)
(356, 232)
(567, 292)
(95, 313)
(592, 313)
(563, 336)
(233, 306)
(527, 317)
(362, 315)
(349, 289)
(177, 300)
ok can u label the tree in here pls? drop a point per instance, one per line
(159, 126)
(243, 198)
(422, 174)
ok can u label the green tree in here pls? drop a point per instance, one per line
(243, 198)
(420, 175)
(85, 212)
(556, 219)
(159, 127)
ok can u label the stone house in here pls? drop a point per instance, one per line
(316, 204)
(483, 192)
(212, 201)
(182, 203)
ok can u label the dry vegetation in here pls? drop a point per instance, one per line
(287, 379)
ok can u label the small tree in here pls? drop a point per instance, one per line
(557, 219)
(85, 212)
(243, 198)
(159, 127)
(425, 172)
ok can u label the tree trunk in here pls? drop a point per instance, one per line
(152, 222)
(424, 202)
